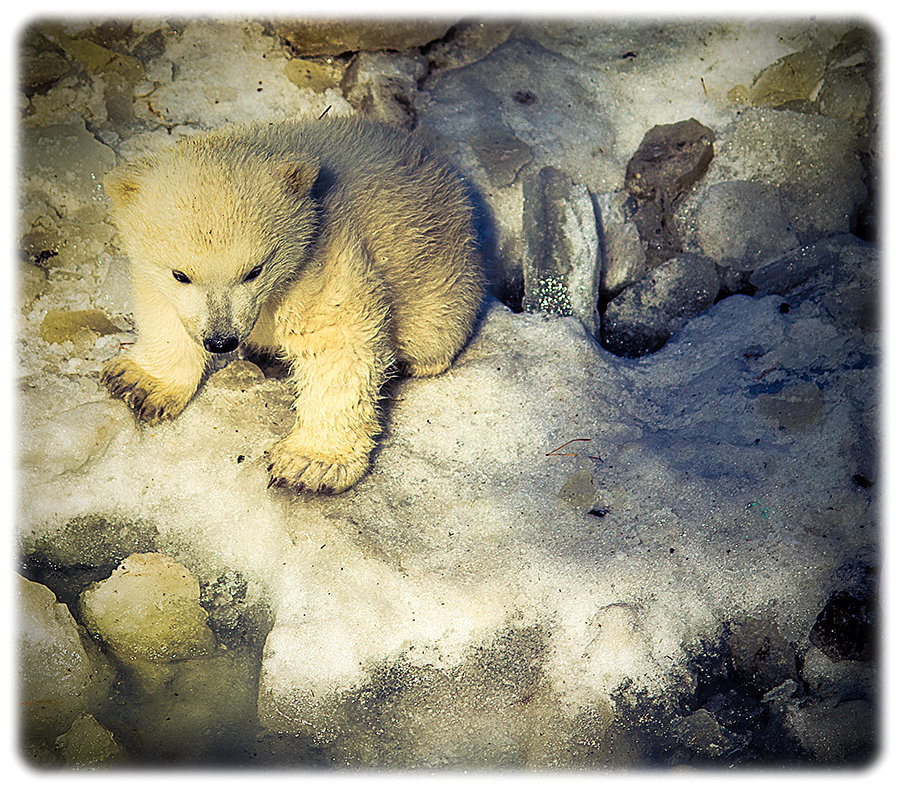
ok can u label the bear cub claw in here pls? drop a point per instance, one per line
(142, 393)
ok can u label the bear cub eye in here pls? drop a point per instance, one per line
(253, 273)
(181, 276)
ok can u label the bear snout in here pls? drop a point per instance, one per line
(220, 344)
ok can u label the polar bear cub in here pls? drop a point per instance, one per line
(341, 245)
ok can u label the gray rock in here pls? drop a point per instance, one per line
(644, 315)
(624, 261)
(531, 92)
(383, 86)
(740, 224)
(762, 655)
(821, 258)
(831, 731)
(42, 63)
(334, 36)
(701, 733)
(812, 160)
(843, 680)
(563, 253)
(846, 94)
(500, 153)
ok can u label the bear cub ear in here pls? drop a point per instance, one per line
(299, 177)
(123, 184)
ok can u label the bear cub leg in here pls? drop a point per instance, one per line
(338, 384)
(340, 357)
(161, 373)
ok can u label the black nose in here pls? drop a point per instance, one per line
(220, 345)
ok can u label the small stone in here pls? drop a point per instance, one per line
(739, 94)
(383, 86)
(845, 94)
(740, 224)
(97, 59)
(624, 261)
(845, 628)
(833, 731)
(855, 45)
(500, 153)
(780, 275)
(793, 77)
(41, 68)
(334, 37)
(762, 656)
(660, 239)
(845, 678)
(701, 733)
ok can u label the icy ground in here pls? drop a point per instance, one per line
(561, 557)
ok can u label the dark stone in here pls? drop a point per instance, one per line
(763, 658)
(799, 265)
(659, 236)
(845, 628)
(643, 316)
(670, 158)
(41, 65)
(336, 36)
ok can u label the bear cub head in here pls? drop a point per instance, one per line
(215, 230)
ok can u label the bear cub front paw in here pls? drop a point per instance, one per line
(313, 472)
(151, 399)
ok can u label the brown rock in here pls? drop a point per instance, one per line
(669, 159)
(333, 37)
(61, 325)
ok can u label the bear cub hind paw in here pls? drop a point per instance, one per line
(146, 395)
(315, 473)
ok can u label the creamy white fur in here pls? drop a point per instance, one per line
(341, 245)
